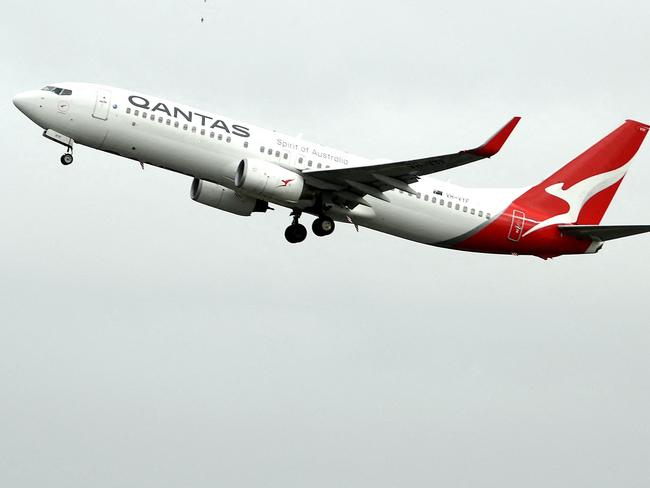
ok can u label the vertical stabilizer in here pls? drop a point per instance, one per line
(581, 191)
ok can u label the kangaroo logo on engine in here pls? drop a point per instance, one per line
(285, 182)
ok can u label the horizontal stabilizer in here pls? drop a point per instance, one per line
(603, 232)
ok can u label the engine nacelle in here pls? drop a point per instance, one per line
(223, 198)
(268, 180)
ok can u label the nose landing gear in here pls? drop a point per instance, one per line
(296, 232)
(66, 141)
(67, 159)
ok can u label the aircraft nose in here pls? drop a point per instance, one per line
(25, 101)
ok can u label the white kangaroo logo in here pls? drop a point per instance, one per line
(578, 195)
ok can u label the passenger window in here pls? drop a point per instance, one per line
(327, 166)
(211, 135)
(449, 204)
(426, 198)
(245, 143)
(153, 117)
(144, 115)
(128, 110)
(160, 120)
(465, 209)
(136, 113)
(270, 152)
(193, 129)
(176, 124)
(480, 213)
(433, 199)
(228, 139)
(168, 122)
(442, 202)
(309, 163)
(472, 211)
(299, 160)
(419, 194)
(319, 165)
(261, 149)
(487, 215)
(277, 154)
(220, 136)
(286, 156)
(202, 132)
(185, 126)
(457, 206)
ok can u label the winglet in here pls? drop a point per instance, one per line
(494, 144)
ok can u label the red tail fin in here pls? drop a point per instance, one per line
(581, 191)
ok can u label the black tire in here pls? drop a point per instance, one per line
(295, 233)
(322, 226)
(66, 159)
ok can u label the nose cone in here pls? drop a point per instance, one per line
(21, 101)
(27, 102)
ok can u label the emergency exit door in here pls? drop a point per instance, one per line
(102, 104)
(517, 225)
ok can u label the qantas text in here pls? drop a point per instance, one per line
(206, 120)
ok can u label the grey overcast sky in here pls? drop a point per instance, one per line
(146, 340)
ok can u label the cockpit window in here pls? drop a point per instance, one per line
(57, 90)
(53, 89)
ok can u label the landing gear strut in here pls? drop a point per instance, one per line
(296, 232)
(66, 141)
(323, 226)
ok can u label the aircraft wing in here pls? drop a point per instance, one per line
(351, 184)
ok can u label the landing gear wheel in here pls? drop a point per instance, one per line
(323, 226)
(66, 159)
(295, 233)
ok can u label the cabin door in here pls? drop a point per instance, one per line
(102, 104)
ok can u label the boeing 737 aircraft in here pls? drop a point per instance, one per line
(241, 169)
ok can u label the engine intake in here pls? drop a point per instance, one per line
(223, 198)
(269, 181)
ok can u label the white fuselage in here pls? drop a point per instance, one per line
(209, 147)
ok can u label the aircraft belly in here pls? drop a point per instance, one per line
(195, 159)
(414, 221)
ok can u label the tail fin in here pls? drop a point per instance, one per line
(588, 183)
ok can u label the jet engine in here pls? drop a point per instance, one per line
(269, 180)
(223, 198)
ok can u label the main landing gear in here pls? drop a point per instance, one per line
(323, 226)
(296, 232)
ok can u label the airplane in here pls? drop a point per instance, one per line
(243, 169)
